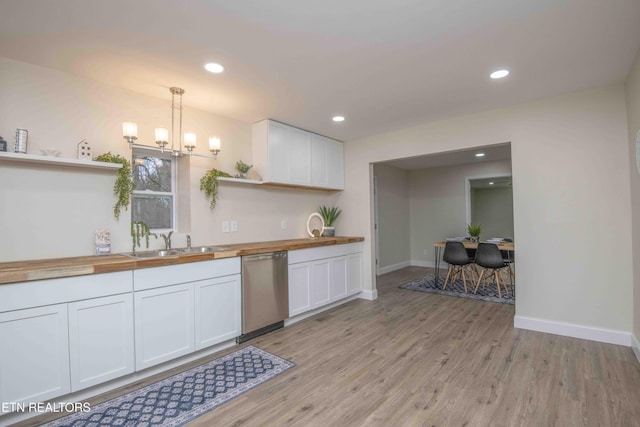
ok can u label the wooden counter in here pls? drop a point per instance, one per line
(23, 271)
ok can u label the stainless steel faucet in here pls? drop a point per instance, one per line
(167, 240)
(188, 241)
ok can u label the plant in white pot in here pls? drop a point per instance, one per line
(329, 216)
(474, 231)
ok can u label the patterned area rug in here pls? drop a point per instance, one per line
(489, 293)
(179, 399)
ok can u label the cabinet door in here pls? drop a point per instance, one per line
(164, 324)
(217, 310)
(338, 280)
(319, 161)
(319, 289)
(34, 354)
(354, 273)
(100, 340)
(279, 152)
(300, 157)
(299, 282)
(335, 164)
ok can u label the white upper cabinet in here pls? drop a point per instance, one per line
(283, 154)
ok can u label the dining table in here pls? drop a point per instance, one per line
(508, 247)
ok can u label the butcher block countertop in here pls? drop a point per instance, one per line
(24, 271)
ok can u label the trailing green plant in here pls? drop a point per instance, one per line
(329, 214)
(123, 186)
(209, 184)
(139, 231)
(242, 167)
(474, 230)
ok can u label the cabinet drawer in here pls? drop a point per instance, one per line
(148, 278)
(17, 296)
(310, 254)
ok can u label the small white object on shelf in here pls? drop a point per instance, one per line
(50, 152)
(84, 150)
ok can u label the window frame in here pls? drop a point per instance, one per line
(174, 185)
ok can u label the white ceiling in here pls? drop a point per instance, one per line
(491, 153)
(383, 64)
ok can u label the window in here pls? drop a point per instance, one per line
(154, 196)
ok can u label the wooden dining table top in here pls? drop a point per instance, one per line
(503, 246)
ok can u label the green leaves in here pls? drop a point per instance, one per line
(329, 214)
(474, 230)
(209, 184)
(123, 186)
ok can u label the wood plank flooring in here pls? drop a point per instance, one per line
(414, 359)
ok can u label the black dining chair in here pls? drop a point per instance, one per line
(456, 256)
(489, 257)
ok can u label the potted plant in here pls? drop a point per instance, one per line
(474, 231)
(209, 184)
(329, 216)
(242, 168)
(124, 183)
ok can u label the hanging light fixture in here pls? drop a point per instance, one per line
(130, 133)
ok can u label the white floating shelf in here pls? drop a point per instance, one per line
(56, 161)
(240, 181)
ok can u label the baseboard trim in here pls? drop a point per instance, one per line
(369, 295)
(393, 267)
(571, 330)
(431, 264)
(635, 345)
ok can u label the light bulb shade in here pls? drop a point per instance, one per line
(190, 140)
(129, 129)
(214, 143)
(162, 134)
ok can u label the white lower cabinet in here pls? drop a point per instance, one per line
(100, 340)
(218, 314)
(299, 284)
(34, 354)
(354, 273)
(174, 319)
(164, 324)
(320, 276)
(319, 288)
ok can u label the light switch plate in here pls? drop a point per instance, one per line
(234, 226)
(225, 226)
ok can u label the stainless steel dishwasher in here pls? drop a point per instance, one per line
(265, 293)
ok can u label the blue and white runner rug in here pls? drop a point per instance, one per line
(489, 292)
(182, 397)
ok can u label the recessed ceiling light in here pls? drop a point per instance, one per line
(491, 183)
(499, 74)
(212, 67)
(479, 154)
(338, 118)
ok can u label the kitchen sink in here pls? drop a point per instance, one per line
(203, 249)
(154, 254)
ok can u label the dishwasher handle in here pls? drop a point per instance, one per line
(262, 257)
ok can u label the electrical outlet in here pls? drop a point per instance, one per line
(225, 226)
(234, 226)
(283, 224)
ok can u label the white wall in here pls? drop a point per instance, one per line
(393, 218)
(439, 204)
(633, 118)
(572, 212)
(50, 212)
(492, 208)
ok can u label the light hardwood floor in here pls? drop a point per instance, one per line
(413, 359)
